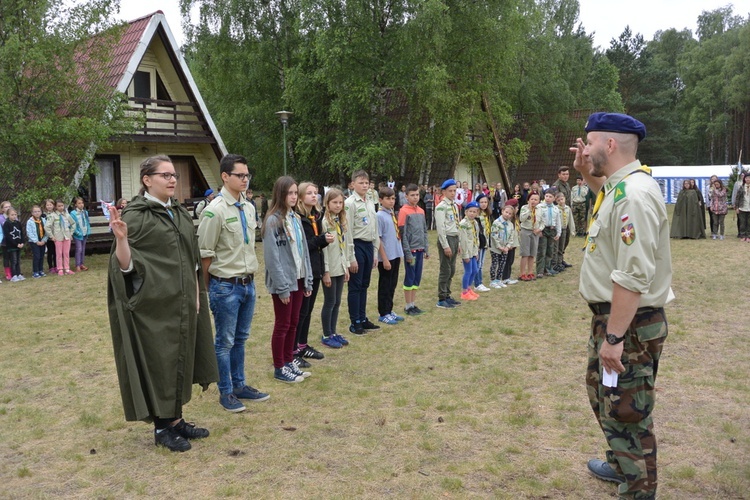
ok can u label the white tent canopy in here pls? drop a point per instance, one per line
(692, 172)
(670, 178)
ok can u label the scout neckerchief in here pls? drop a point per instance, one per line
(600, 198)
(314, 223)
(39, 229)
(505, 231)
(474, 232)
(395, 221)
(243, 220)
(485, 225)
(297, 234)
(339, 233)
(455, 212)
(533, 218)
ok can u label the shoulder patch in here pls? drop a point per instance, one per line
(620, 192)
(628, 234)
(208, 213)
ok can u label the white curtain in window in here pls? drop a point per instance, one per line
(105, 179)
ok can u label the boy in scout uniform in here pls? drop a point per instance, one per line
(362, 222)
(578, 204)
(625, 278)
(446, 222)
(226, 238)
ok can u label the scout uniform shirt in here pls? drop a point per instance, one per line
(361, 220)
(337, 255)
(446, 221)
(222, 238)
(529, 220)
(550, 217)
(503, 234)
(578, 194)
(468, 238)
(628, 241)
(567, 218)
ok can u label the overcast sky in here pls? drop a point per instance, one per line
(605, 18)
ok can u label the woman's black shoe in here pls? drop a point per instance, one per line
(188, 430)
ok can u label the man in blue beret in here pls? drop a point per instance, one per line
(625, 278)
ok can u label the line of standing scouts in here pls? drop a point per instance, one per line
(51, 232)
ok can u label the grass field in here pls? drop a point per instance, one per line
(487, 400)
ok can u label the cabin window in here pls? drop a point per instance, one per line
(161, 90)
(142, 84)
(104, 184)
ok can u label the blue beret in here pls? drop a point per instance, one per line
(448, 183)
(208, 193)
(479, 197)
(472, 204)
(615, 122)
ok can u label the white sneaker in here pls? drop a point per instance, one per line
(510, 282)
(481, 288)
(495, 284)
(503, 285)
(14, 279)
(21, 278)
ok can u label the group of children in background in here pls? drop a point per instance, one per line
(51, 230)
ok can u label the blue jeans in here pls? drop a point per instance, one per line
(480, 267)
(359, 282)
(233, 306)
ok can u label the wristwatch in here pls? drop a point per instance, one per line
(613, 339)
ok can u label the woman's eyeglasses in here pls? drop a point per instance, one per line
(167, 175)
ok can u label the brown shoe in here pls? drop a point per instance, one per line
(78, 269)
(84, 268)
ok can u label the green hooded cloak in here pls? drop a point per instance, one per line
(162, 345)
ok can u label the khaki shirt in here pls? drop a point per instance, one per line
(578, 194)
(446, 221)
(361, 220)
(628, 242)
(529, 222)
(468, 238)
(220, 237)
(335, 257)
(503, 234)
(567, 219)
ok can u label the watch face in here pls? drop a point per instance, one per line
(613, 339)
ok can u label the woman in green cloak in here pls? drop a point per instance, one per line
(158, 308)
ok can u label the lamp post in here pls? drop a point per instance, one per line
(283, 117)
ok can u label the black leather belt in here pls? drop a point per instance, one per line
(600, 308)
(246, 280)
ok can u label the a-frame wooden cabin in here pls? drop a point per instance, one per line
(148, 67)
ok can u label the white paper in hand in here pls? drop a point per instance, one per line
(609, 379)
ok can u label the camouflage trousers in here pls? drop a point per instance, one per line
(624, 412)
(579, 217)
